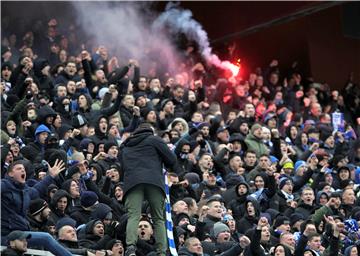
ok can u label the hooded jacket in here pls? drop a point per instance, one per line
(15, 201)
(35, 151)
(92, 241)
(55, 214)
(142, 157)
(248, 222)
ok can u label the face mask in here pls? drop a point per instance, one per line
(184, 155)
(67, 108)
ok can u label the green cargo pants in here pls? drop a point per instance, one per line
(133, 202)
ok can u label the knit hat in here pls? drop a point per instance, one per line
(78, 121)
(180, 217)
(88, 199)
(164, 102)
(100, 212)
(233, 179)
(37, 206)
(108, 145)
(145, 111)
(283, 180)
(111, 243)
(138, 95)
(192, 177)
(288, 165)
(280, 220)
(295, 217)
(299, 164)
(66, 221)
(220, 227)
(254, 127)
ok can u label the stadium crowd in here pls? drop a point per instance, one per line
(256, 165)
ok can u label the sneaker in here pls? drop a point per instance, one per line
(131, 250)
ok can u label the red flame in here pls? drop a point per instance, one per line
(234, 68)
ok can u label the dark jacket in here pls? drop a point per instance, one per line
(11, 252)
(15, 202)
(248, 222)
(142, 157)
(92, 241)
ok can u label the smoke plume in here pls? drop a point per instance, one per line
(132, 30)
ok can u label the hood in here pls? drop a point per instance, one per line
(44, 112)
(242, 183)
(59, 194)
(88, 99)
(98, 133)
(42, 128)
(39, 64)
(90, 226)
(255, 204)
(180, 145)
(63, 129)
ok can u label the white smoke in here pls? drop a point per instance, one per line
(178, 20)
(125, 27)
(130, 29)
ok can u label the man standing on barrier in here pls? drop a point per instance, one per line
(143, 156)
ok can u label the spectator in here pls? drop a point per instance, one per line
(148, 151)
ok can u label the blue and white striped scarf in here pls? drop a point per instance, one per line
(169, 224)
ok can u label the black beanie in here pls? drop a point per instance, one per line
(111, 243)
(37, 206)
(11, 100)
(108, 145)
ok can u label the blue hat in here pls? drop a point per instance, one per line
(299, 164)
(273, 159)
(88, 198)
(42, 128)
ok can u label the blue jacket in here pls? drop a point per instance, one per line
(15, 202)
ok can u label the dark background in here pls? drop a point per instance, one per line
(326, 43)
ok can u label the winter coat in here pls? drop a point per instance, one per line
(92, 241)
(142, 157)
(11, 252)
(15, 202)
(126, 115)
(248, 222)
(256, 145)
(305, 209)
(55, 214)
